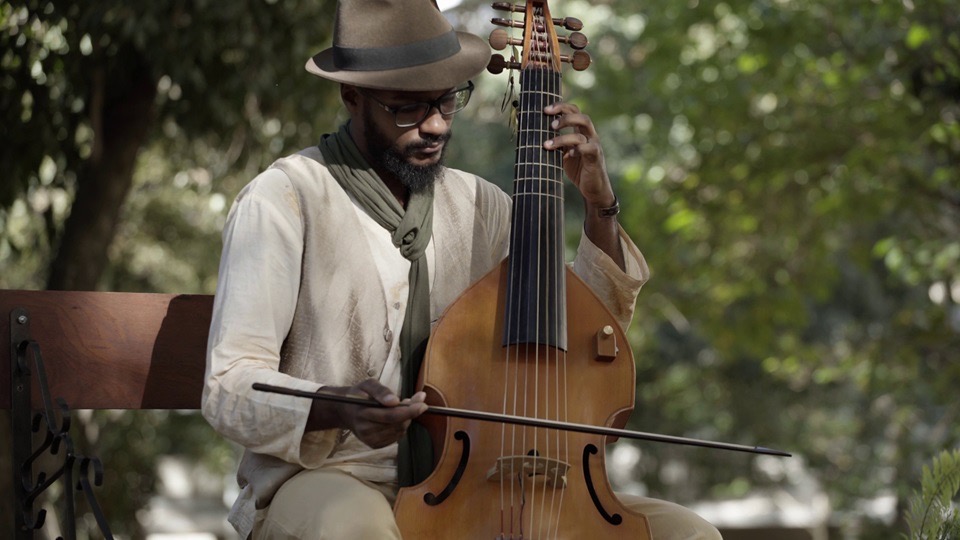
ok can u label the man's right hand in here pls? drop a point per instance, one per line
(375, 426)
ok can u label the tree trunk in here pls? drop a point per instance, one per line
(121, 127)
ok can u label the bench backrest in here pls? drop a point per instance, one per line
(106, 350)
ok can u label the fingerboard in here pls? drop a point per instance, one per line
(536, 306)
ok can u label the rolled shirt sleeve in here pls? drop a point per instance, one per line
(616, 288)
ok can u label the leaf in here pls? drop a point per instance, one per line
(917, 36)
(930, 515)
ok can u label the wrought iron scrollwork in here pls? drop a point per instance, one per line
(54, 422)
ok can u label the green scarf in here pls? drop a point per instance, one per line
(410, 231)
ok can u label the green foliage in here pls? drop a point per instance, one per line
(225, 107)
(931, 515)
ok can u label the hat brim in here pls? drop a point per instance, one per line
(473, 57)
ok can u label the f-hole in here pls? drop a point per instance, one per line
(434, 500)
(614, 519)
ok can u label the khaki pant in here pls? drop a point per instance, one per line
(330, 504)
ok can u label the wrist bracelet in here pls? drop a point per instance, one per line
(610, 211)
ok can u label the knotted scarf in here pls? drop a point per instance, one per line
(410, 229)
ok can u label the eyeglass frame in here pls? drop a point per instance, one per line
(435, 104)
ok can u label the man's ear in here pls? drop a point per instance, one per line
(350, 97)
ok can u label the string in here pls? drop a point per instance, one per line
(537, 180)
(557, 283)
(536, 43)
(559, 289)
(556, 504)
(562, 291)
(507, 466)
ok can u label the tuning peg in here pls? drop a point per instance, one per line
(580, 60)
(499, 21)
(576, 40)
(569, 23)
(507, 6)
(497, 64)
(499, 39)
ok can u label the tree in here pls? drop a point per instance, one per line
(126, 130)
(88, 88)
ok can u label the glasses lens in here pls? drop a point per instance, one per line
(455, 101)
(412, 114)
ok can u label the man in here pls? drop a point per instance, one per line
(336, 260)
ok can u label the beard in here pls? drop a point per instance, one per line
(395, 159)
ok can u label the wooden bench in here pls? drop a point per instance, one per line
(95, 350)
(99, 350)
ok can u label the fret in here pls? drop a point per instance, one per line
(527, 147)
(537, 155)
(554, 190)
(545, 196)
(538, 166)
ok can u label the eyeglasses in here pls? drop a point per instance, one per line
(412, 114)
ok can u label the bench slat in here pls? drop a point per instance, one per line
(107, 350)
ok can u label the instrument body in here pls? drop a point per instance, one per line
(465, 359)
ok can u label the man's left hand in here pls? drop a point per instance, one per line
(583, 162)
(582, 155)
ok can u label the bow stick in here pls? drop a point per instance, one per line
(534, 422)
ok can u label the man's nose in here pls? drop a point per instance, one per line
(434, 123)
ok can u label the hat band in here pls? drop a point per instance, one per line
(401, 56)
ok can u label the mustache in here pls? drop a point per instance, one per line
(429, 140)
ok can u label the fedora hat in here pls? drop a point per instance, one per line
(398, 45)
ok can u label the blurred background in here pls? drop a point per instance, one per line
(790, 169)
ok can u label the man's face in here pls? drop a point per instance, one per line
(414, 155)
